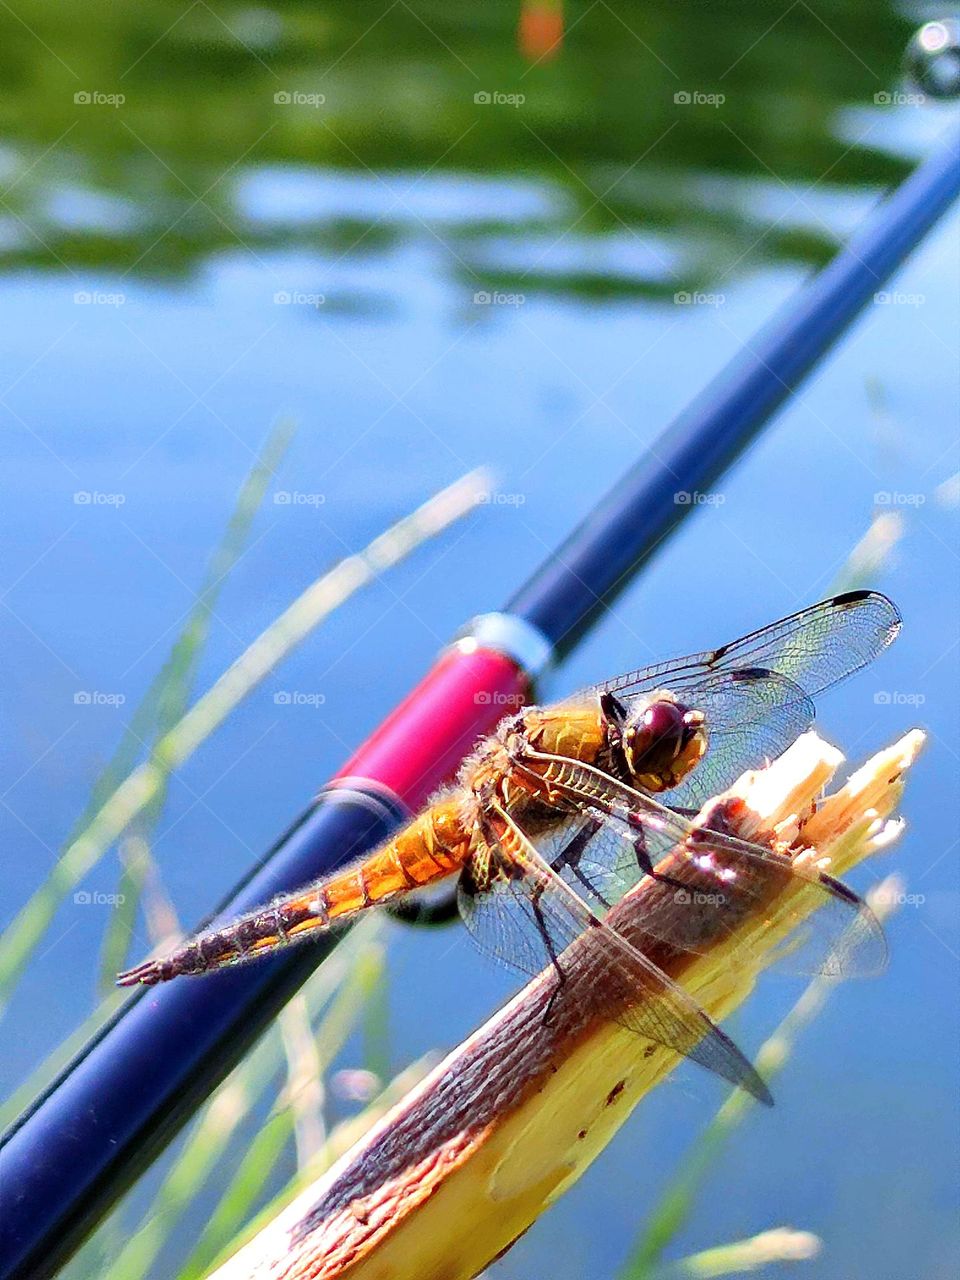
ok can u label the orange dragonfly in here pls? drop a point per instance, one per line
(566, 807)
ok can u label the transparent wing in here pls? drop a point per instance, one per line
(570, 847)
(521, 913)
(712, 888)
(814, 649)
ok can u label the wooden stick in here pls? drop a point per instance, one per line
(456, 1172)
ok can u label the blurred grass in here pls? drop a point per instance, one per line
(146, 783)
(159, 709)
(339, 992)
(348, 990)
(170, 692)
(742, 1257)
(334, 999)
(138, 886)
(341, 1139)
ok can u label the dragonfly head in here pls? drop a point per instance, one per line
(661, 739)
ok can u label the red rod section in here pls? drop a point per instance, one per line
(422, 743)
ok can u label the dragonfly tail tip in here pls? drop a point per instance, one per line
(146, 975)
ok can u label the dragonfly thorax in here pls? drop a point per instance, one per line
(494, 772)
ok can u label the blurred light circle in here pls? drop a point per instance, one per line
(932, 59)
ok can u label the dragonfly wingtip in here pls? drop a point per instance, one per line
(762, 1093)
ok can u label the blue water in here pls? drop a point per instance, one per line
(399, 382)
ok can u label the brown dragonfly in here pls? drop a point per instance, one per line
(566, 807)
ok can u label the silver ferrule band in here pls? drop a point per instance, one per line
(505, 633)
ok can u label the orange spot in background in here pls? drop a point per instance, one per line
(540, 31)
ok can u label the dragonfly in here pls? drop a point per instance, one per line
(567, 807)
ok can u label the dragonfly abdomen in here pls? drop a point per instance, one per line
(431, 847)
(272, 927)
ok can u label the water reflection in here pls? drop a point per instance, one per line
(644, 153)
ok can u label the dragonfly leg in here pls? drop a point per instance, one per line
(552, 952)
(572, 852)
(645, 863)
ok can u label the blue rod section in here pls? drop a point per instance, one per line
(564, 596)
(117, 1105)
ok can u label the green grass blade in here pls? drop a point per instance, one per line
(376, 1030)
(341, 1139)
(123, 918)
(221, 1118)
(200, 1155)
(177, 676)
(362, 977)
(243, 1190)
(742, 1257)
(142, 724)
(170, 692)
(676, 1204)
(146, 724)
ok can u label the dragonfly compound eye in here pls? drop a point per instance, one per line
(664, 744)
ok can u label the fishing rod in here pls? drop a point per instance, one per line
(115, 1107)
